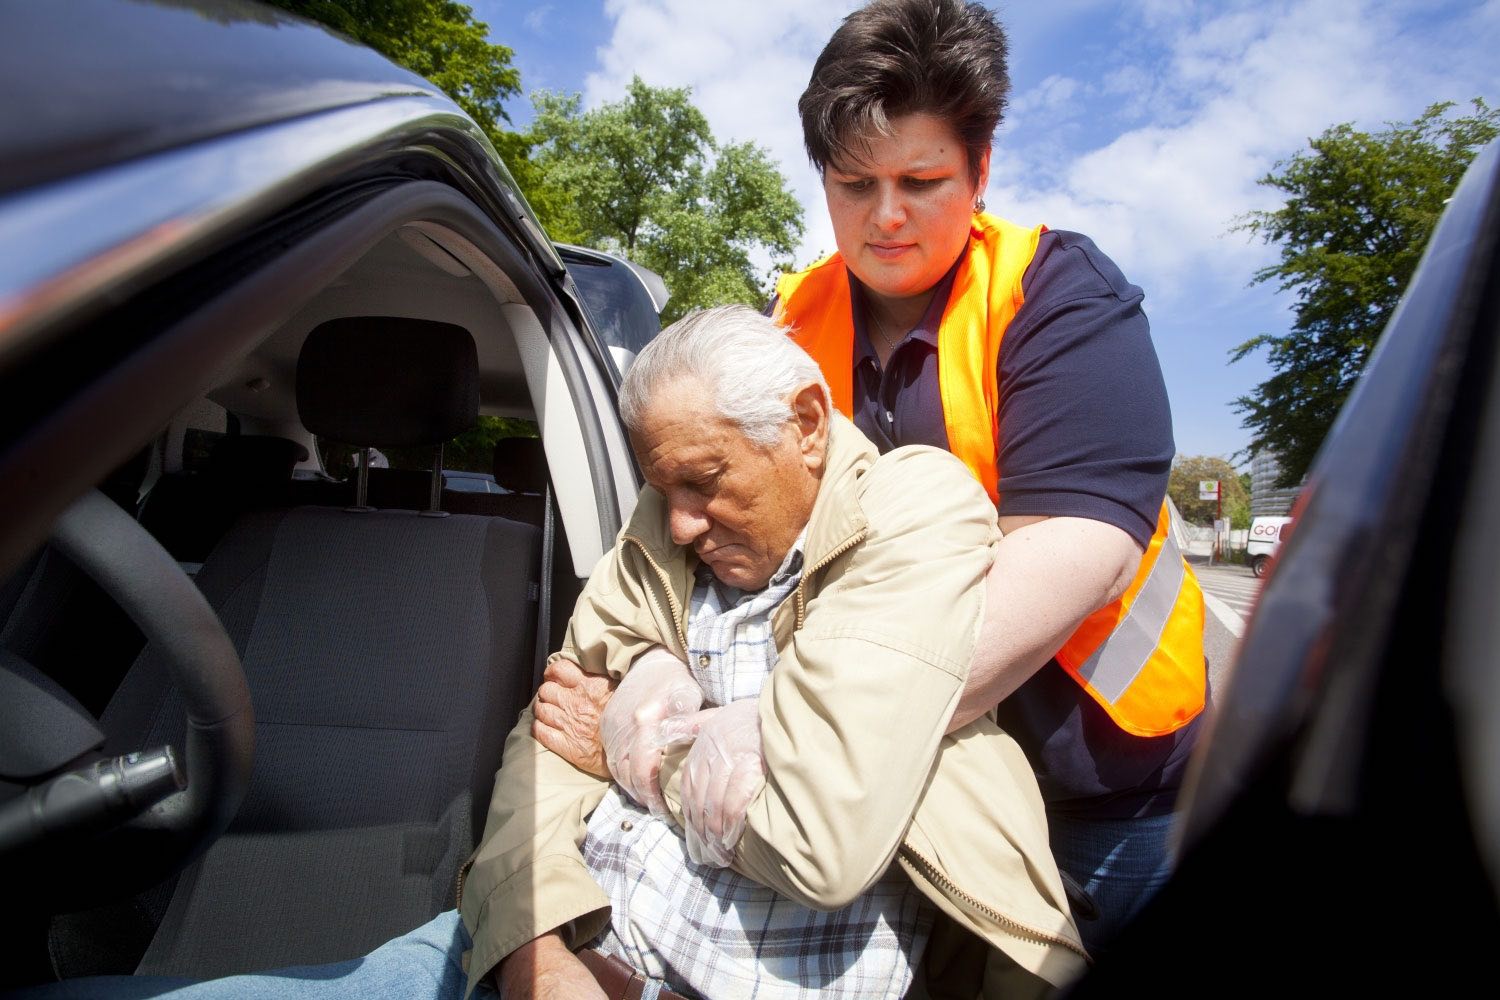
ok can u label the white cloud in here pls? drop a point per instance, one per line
(747, 64)
(1230, 89)
(1237, 89)
(538, 17)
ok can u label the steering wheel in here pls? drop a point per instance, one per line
(124, 824)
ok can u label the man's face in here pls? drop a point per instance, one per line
(739, 505)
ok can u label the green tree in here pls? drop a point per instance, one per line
(1182, 487)
(1360, 207)
(647, 179)
(442, 41)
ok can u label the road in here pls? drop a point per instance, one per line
(1229, 594)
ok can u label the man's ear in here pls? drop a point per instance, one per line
(810, 407)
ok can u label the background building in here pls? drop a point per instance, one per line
(1265, 497)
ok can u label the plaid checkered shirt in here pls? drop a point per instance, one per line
(710, 932)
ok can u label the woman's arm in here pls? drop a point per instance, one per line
(1049, 574)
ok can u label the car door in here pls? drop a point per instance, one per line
(1342, 821)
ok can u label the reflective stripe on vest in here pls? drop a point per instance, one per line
(1141, 657)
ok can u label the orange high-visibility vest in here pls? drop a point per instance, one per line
(1141, 657)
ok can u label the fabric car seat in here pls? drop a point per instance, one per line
(388, 652)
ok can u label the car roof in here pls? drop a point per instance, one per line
(195, 70)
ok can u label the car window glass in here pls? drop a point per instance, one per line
(471, 451)
(618, 304)
(194, 433)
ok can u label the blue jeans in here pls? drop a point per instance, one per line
(1120, 863)
(422, 965)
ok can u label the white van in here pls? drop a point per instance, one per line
(1265, 539)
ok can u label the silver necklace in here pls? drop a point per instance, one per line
(880, 328)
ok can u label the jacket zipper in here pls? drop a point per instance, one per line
(808, 573)
(666, 585)
(463, 873)
(933, 874)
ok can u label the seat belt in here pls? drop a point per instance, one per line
(544, 599)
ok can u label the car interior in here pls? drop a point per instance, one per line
(390, 629)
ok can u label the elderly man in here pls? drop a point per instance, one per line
(813, 832)
(828, 612)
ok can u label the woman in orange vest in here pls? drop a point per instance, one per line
(1025, 352)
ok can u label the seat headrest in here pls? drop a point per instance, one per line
(520, 464)
(388, 382)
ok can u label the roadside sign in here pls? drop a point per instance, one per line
(1208, 489)
(1221, 525)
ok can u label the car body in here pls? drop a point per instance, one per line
(471, 482)
(179, 214)
(172, 245)
(1266, 536)
(1341, 826)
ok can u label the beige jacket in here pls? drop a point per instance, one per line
(874, 651)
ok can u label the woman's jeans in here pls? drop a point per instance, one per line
(1119, 863)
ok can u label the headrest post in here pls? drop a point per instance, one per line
(362, 482)
(435, 497)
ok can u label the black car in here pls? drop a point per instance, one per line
(1342, 825)
(232, 240)
(231, 237)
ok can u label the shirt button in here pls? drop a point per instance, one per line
(626, 825)
(703, 659)
(890, 417)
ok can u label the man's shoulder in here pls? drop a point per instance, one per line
(917, 485)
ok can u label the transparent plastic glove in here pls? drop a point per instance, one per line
(658, 687)
(721, 775)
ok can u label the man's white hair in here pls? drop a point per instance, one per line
(747, 363)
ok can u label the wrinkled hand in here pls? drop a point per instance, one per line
(567, 710)
(544, 969)
(721, 775)
(657, 688)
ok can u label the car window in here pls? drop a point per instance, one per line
(618, 302)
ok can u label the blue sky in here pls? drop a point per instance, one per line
(1143, 124)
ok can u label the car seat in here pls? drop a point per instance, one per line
(388, 652)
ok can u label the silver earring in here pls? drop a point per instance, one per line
(978, 204)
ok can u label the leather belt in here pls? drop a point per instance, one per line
(620, 981)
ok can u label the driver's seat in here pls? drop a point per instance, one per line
(387, 654)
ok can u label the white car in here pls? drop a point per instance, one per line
(1266, 535)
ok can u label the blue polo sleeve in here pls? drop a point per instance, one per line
(1085, 426)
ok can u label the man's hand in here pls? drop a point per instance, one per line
(544, 969)
(658, 688)
(567, 711)
(721, 775)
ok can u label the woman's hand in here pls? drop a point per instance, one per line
(721, 775)
(658, 689)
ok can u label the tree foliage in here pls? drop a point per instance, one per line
(643, 176)
(647, 179)
(1359, 209)
(1182, 487)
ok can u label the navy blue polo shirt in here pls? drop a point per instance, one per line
(1085, 430)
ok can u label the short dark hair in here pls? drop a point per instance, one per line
(945, 58)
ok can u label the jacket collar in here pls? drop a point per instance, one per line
(836, 514)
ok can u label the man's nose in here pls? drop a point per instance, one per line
(687, 523)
